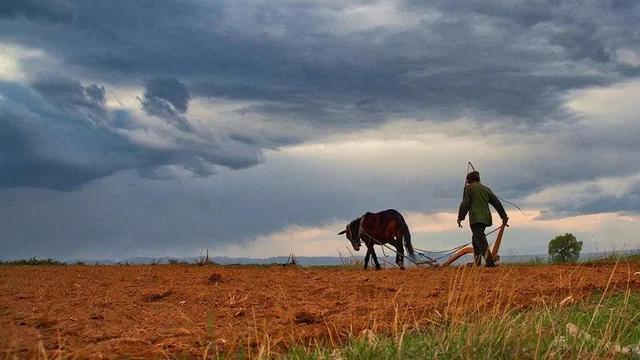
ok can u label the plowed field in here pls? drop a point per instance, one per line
(166, 310)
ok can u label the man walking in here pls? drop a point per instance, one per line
(475, 201)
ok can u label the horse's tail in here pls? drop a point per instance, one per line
(406, 237)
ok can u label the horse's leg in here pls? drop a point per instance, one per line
(375, 258)
(399, 254)
(366, 258)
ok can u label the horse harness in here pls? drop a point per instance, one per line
(361, 232)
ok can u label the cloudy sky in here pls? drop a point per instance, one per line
(259, 128)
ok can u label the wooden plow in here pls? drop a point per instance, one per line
(469, 250)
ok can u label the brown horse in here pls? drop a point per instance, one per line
(385, 227)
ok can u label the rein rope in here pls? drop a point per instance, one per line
(428, 261)
(361, 232)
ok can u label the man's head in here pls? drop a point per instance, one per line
(473, 176)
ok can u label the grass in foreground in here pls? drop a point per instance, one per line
(531, 334)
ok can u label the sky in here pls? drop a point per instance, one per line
(260, 128)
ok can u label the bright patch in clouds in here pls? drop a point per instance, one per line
(384, 14)
(362, 155)
(629, 56)
(302, 241)
(615, 187)
(607, 105)
(12, 59)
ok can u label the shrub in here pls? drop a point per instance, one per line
(565, 248)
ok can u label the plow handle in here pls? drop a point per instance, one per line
(496, 244)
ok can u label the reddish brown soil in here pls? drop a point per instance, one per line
(158, 311)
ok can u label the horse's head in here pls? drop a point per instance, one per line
(353, 234)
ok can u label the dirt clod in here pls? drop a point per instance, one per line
(305, 317)
(157, 296)
(214, 278)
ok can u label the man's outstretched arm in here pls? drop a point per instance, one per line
(495, 202)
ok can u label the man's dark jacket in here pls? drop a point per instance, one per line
(475, 201)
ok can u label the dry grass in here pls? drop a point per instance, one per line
(603, 326)
(447, 313)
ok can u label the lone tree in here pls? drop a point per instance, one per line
(565, 248)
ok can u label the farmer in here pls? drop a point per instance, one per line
(475, 201)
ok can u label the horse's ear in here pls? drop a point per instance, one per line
(342, 232)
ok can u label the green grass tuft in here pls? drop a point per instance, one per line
(529, 334)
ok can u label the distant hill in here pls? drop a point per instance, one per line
(329, 260)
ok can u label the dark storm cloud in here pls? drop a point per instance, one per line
(171, 91)
(58, 135)
(71, 96)
(57, 147)
(585, 31)
(303, 63)
(167, 98)
(51, 10)
(489, 58)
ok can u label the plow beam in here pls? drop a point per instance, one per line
(457, 255)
